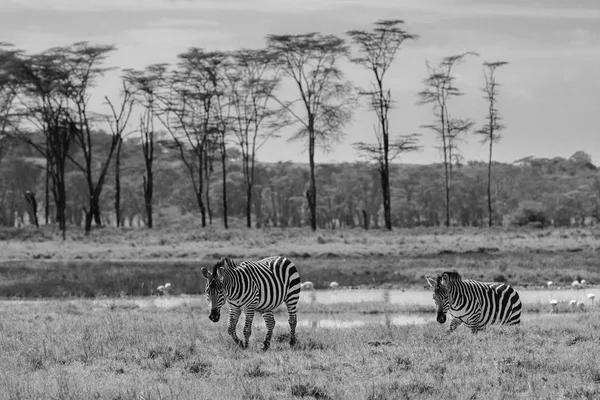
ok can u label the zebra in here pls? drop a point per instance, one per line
(253, 286)
(474, 303)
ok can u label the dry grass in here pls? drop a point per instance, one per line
(71, 350)
(192, 242)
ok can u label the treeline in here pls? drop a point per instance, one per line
(557, 191)
(197, 127)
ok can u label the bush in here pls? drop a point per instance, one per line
(530, 213)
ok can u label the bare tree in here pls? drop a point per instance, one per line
(252, 82)
(311, 62)
(439, 89)
(378, 50)
(490, 131)
(117, 121)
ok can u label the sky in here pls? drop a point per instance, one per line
(549, 95)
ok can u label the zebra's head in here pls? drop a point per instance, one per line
(214, 290)
(440, 295)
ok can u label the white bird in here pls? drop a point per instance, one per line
(582, 282)
(166, 289)
(572, 304)
(554, 303)
(333, 285)
(550, 283)
(576, 285)
(308, 285)
(591, 296)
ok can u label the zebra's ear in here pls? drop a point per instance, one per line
(220, 273)
(445, 279)
(206, 273)
(431, 281)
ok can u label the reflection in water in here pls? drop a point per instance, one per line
(349, 320)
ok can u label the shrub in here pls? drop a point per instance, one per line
(530, 213)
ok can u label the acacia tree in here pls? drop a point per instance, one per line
(43, 103)
(490, 131)
(311, 62)
(147, 87)
(187, 113)
(8, 94)
(83, 63)
(214, 66)
(117, 121)
(439, 89)
(378, 50)
(252, 82)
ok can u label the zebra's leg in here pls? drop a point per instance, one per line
(270, 322)
(234, 316)
(292, 319)
(454, 324)
(248, 326)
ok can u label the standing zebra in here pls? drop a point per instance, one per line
(253, 286)
(474, 303)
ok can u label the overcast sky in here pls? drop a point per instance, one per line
(549, 97)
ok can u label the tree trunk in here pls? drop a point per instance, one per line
(385, 187)
(47, 190)
(201, 206)
(311, 194)
(118, 183)
(148, 189)
(223, 163)
(489, 187)
(249, 206)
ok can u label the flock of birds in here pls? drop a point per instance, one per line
(308, 285)
(573, 304)
(167, 288)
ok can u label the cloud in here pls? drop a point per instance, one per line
(468, 8)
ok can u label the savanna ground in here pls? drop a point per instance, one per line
(70, 348)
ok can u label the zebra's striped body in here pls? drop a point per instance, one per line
(253, 286)
(473, 303)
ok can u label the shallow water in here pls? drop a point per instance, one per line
(348, 296)
(424, 297)
(345, 319)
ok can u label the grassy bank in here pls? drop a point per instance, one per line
(36, 263)
(89, 278)
(56, 349)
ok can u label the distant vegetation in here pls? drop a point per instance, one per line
(542, 192)
(199, 124)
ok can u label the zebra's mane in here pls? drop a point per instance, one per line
(226, 263)
(453, 276)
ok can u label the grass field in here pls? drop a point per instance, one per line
(133, 262)
(70, 350)
(73, 349)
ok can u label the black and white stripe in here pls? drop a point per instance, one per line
(473, 303)
(253, 286)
